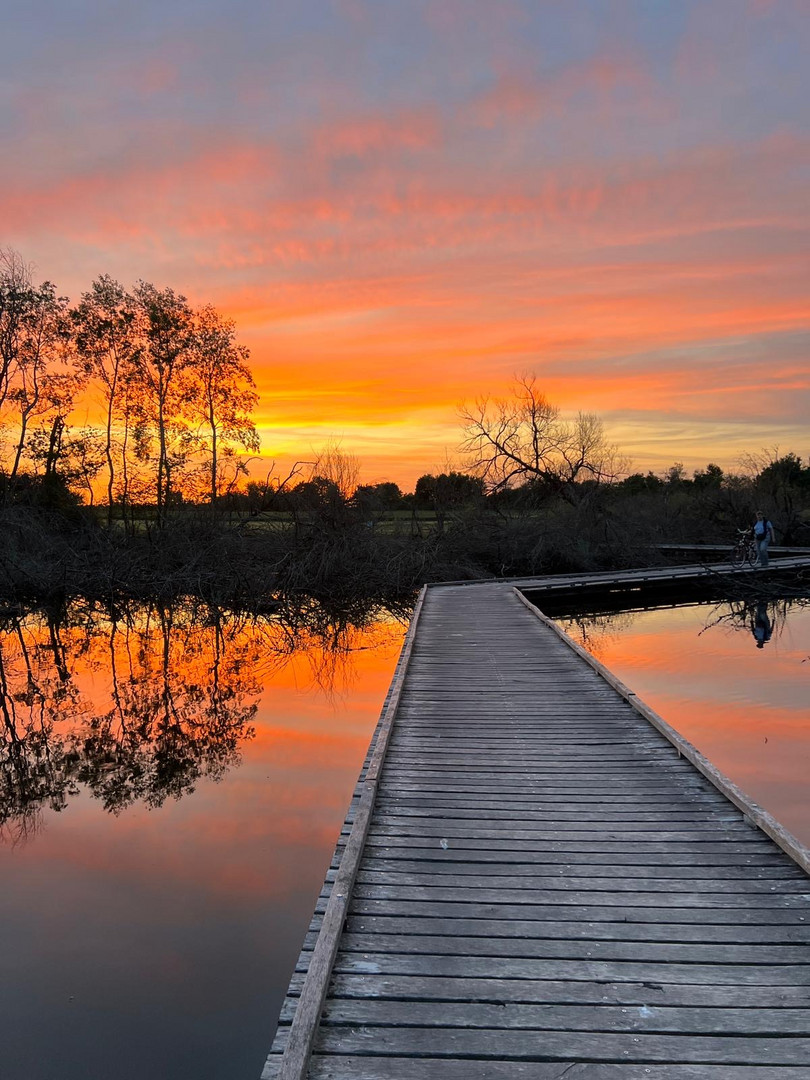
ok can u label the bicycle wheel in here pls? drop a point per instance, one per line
(752, 555)
(737, 555)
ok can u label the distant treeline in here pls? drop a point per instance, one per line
(372, 544)
(782, 481)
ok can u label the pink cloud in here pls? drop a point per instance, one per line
(414, 129)
(525, 96)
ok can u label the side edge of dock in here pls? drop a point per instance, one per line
(306, 996)
(755, 813)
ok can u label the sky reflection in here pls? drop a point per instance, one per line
(158, 940)
(744, 707)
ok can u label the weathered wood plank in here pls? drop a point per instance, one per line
(538, 811)
(571, 931)
(780, 872)
(683, 787)
(355, 941)
(698, 914)
(580, 895)
(619, 801)
(544, 742)
(507, 967)
(504, 757)
(349, 1067)
(682, 1020)
(551, 991)
(561, 854)
(742, 844)
(542, 883)
(498, 1044)
(396, 825)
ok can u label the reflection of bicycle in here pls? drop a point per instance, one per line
(745, 550)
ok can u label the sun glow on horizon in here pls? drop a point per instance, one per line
(403, 207)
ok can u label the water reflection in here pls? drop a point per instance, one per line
(731, 677)
(146, 932)
(763, 620)
(138, 703)
(763, 627)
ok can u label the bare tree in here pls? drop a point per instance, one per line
(337, 466)
(510, 441)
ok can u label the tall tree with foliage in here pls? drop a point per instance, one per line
(15, 288)
(442, 492)
(223, 395)
(105, 324)
(36, 385)
(161, 389)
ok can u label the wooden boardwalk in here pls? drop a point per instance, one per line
(650, 578)
(533, 882)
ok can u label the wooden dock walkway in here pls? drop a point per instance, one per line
(705, 574)
(534, 882)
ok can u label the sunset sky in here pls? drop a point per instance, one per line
(404, 202)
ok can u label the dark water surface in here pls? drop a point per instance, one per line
(173, 784)
(733, 678)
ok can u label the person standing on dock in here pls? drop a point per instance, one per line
(763, 535)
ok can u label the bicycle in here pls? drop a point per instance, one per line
(745, 549)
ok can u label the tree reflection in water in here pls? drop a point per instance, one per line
(597, 631)
(138, 703)
(763, 618)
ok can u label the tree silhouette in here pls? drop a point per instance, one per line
(223, 395)
(175, 391)
(32, 345)
(104, 325)
(161, 393)
(15, 286)
(512, 440)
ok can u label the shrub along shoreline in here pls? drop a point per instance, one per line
(339, 552)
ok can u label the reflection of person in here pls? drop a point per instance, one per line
(762, 625)
(763, 535)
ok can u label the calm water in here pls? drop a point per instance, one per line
(172, 786)
(733, 678)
